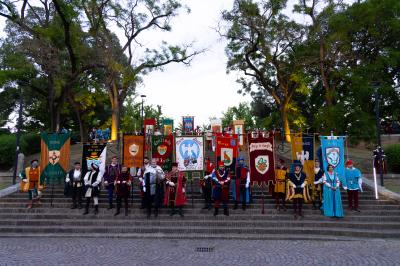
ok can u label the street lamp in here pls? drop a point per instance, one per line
(143, 96)
(19, 125)
(380, 154)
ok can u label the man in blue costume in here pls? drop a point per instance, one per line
(332, 204)
(353, 179)
(241, 184)
(297, 183)
(220, 192)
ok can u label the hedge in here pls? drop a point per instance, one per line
(393, 157)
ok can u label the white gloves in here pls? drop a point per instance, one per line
(25, 180)
(247, 185)
(144, 189)
(67, 179)
(183, 190)
(105, 182)
(171, 183)
(294, 186)
(303, 185)
(345, 188)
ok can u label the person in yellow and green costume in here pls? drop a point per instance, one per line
(31, 182)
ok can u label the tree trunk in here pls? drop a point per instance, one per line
(285, 122)
(115, 106)
(324, 77)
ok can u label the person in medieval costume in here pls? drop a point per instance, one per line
(175, 196)
(332, 203)
(111, 173)
(353, 183)
(206, 185)
(122, 188)
(75, 181)
(140, 175)
(92, 181)
(241, 184)
(279, 192)
(152, 181)
(318, 185)
(220, 193)
(30, 178)
(297, 184)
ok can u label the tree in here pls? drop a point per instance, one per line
(262, 44)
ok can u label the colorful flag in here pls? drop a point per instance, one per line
(333, 153)
(188, 124)
(261, 156)
(94, 153)
(149, 127)
(168, 126)
(163, 151)
(133, 150)
(227, 151)
(238, 128)
(54, 157)
(216, 125)
(189, 153)
(303, 151)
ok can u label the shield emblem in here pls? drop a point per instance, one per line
(162, 149)
(333, 156)
(262, 164)
(54, 157)
(227, 156)
(134, 149)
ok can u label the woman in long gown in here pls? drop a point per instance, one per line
(332, 199)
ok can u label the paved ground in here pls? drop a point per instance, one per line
(63, 251)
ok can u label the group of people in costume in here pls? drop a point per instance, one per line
(158, 188)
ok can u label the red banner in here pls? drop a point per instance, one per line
(261, 156)
(162, 151)
(133, 151)
(227, 151)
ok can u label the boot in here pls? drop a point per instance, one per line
(216, 211)
(205, 207)
(96, 209)
(110, 206)
(244, 206)
(226, 211)
(235, 206)
(30, 205)
(126, 211)
(172, 211)
(148, 213)
(156, 213)
(86, 209)
(80, 206)
(180, 211)
(74, 206)
(117, 213)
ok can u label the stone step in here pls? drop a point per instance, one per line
(381, 233)
(194, 223)
(200, 217)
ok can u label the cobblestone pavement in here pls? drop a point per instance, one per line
(80, 251)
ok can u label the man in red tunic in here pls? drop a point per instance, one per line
(221, 179)
(175, 196)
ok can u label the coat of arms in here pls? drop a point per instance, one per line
(333, 156)
(227, 156)
(134, 149)
(54, 157)
(262, 164)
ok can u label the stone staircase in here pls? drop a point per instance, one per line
(377, 219)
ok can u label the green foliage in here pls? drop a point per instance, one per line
(393, 157)
(241, 112)
(7, 151)
(30, 143)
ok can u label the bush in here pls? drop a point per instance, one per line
(30, 143)
(393, 157)
(7, 151)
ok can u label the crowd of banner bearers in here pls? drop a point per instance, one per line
(229, 181)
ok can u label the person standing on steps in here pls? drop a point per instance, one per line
(175, 196)
(31, 182)
(153, 179)
(297, 184)
(241, 185)
(332, 203)
(318, 186)
(123, 187)
(111, 173)
(75, 180)
(279, 192)
(353, 183)
(205, 184)
(220, 193)
(140, 174)
(92, 181)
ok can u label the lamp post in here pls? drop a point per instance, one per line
(19, 125)
(142, 126)
(378, 130)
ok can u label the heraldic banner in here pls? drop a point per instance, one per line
(133, 151)
(261, 157)
(94, 153)
(189, 153)
(333, 153)
(227, 151)
(188, 124)
(163, 151)
(303, 151)
(149, 127)
(54, 158)
(168, 126)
